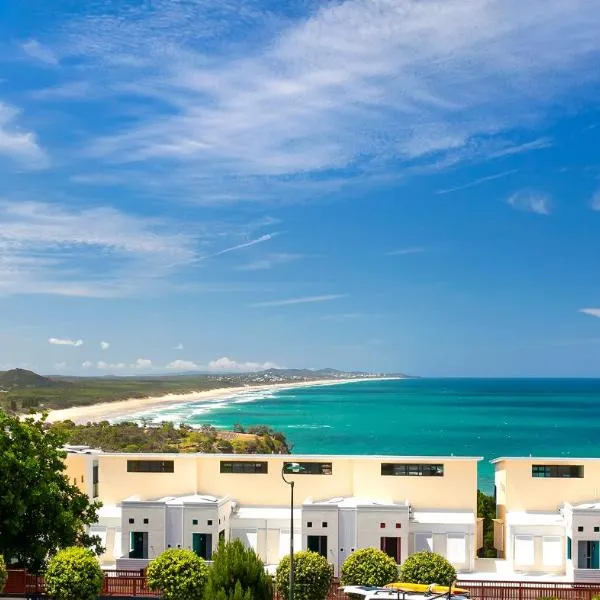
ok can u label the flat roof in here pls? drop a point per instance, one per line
(289, 457)
(266, 513)
(354, 502)
(549, 459)
(533, 518)
(444, 518)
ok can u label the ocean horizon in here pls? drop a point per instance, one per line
(549, 417)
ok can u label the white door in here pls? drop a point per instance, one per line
(346, 533)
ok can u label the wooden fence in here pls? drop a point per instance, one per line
(529, 590)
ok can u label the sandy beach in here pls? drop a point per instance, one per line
(106, 411)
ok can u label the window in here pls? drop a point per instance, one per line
(569, 548)
(317, 543)
(596, 529)
(524, 550)
(552, 551)
(138, 544)
(398, 525)
(580, 528)
(131, 520)
(456, 548)
(381, 525)
(150, 466)
(569, 471)
(194, 521)
(202, 545)
(209, 522)
(324, 524)
(145, 521)
(95, 479)
(412, 470)
(423, 542)
(243, 466)
(391, 546)
(308, 468)
(309, 523)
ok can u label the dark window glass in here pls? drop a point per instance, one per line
(145, 521)
(132, 520)
(557, 471)
(317, 543)
(209, 522)
(194, 521)
(412, 470)
(150, 466)
(244, 466)
(95, 474)
(308, 468)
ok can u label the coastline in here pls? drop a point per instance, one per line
(107, 411)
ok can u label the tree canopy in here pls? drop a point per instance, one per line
(74, 574)
(427, 567)
(178, 574)
(41, 511)
(369, 566)
(312, 576)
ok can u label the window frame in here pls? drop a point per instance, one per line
(557, 471)
(412, 469)
(309, 468)
(244, 467)
(148, 466)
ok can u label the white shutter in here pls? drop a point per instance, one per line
(524, 550)
(284, 543)
(251, 539)
(456, 548)
(117, 548)
(423, 542)
(552, 551)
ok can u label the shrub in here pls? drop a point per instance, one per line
(74, 574)
(237, 573)
(3, 573)
(369, 566)
(312, 576)
(427, 567)
(178, 574)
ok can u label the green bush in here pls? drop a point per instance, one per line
(237, 574)
(427, 567)
(3, 573)
(369, 566)
(178, 574)
(312, 576)
(74, 574)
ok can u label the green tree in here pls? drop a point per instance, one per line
(237, 570)
(40, 510)
(369, 566)
(3, 573)
(486, 508)
(312, 576)
(178, 574)
(427, 567)
(74, 574)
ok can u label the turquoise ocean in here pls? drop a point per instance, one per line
(424, 417)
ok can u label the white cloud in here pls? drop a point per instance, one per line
(349, 82)
(593, 312)
(477, 182)
(270, 261)
(142, 363)
(404, 251)
(105, 345)
(178, 347)
(596, 201)
(21, 146)
(104, 366)
(302, 300)
(227, 364)
(34, 49)
(531, 201)
(87, 364)
(183, 365)
(64, 342)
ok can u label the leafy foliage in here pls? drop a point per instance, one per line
(369, 566)
(486, 508)
(3, 573)
(74, 574)
(427, 567)
(312, 576)
(178, 574)
(131, 437)
(237, 573)
(40, 510)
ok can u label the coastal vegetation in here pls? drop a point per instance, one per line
(166, 437)
(74, 574)
(312, 576)
(178, 574)
(22, 391)
(41, 512)
(427, 567)
(486, 509)
(369, 566)
(3, 573)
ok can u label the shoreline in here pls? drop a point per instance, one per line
(108, 411)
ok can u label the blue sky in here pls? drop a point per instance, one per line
(392, 185)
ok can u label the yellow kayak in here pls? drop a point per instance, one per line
(422, 588)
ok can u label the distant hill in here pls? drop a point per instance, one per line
(22, 378)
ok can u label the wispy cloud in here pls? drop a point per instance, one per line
(104, 345)
(259, 240)
(178, 347)
(531, 201)
(34, 49)
(477, 182)
(21, 146)
(270, 261)
(65, 342)
(350, 83)
(65, 91)
(343, 317)
(593, 312)
(302, 300)
(183, 365)
(227, 364)
(404, 251)
(595, 204)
